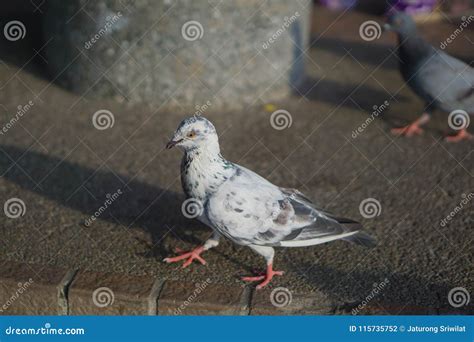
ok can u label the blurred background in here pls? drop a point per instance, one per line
(91, 48)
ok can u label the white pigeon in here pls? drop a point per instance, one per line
(245, 207)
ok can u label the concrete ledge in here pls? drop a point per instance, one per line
(93, 293)
(202, 298)
(27, 289)
(279, 301)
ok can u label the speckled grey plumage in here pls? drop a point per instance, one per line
(441, 80)
(247, 208)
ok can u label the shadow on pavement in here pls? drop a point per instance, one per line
(359, 97)
(84, 189)
(399, 293)
(29, 53)
(377, 55)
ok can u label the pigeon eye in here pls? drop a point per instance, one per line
(191, 134)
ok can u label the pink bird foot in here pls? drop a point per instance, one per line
(461, 135)
(190, 256)
(409, 130)
(266, 278)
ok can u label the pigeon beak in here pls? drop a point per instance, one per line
(172, 143)
(386, 27)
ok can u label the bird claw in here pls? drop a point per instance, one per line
(266, 278)
(461, 135)
(189, 256)
(408, 131)
(179, 251)
(256, 278)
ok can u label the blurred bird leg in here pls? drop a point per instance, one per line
(413, 128)
(461, 135)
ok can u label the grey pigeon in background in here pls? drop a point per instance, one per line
(442, 81)
(245, 207)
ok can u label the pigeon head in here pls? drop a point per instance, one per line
(400, 23)
(193, 133)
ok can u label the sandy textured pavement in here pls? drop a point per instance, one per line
(62, 168)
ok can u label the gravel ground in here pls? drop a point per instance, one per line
(62, 168)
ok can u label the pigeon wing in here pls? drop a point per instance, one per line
(250, 210)
(447, 81)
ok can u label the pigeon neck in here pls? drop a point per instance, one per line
(210, 150)
(203, 171)
(413, 48)
(405, 39)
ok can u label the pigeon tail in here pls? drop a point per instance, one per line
(362, 239)
(342, 229)
(359, 237)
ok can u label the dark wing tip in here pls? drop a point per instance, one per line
(362, 239)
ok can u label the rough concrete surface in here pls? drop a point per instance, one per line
(187, 51)
(63, 168)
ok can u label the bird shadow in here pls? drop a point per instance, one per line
(378, 55)
(387, 292)
(357, 96)
(360, 97)
(136, 204)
